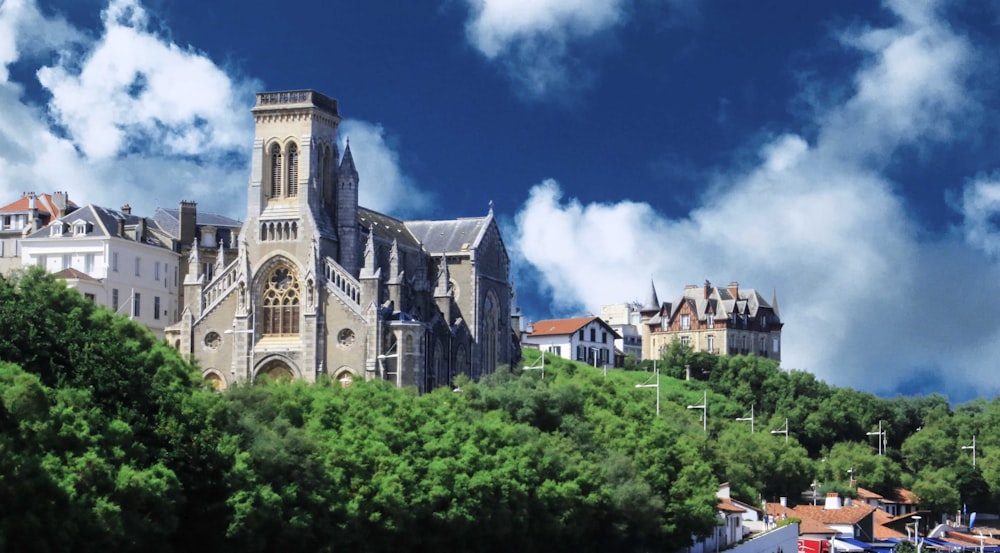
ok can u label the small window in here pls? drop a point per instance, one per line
(88, 263)
(138, 262)
(710, 321)
(80, 228)
(135, 304)
(710, 343)
(156, 307)
(685, 322)
(775, 345)
(581, 334)
(604, 337)
(114, 300)
(67, 261)
(90, 297)
(114, 261)
(593, 335)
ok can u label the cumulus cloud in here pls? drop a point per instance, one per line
(860, 290)
(383, 184)
(131, 116)
(533, 40)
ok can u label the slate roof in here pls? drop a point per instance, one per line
(451, 236)
(387, 227)
(169, 220)
(103, 223)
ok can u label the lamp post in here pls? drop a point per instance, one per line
(704, 411)
(916, 532)
(783, 430)
(881, 438)
(657, 386)
(750, 418)
(973, 448)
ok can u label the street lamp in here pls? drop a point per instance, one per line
(750, 418)
(657, 386)
(783, 430)
(973, 448)
(704, 411)
(916, 532)
(881, 438)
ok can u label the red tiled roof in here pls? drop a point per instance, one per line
(867, 494)
(902, 496)
(43, 204)
(809, 526)
(727, 506)
(557, 327)
(881, 531)
(844, 515)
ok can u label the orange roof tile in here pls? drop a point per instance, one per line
(844, 515)
(815, 527)
(867, 494)
(556, 327)
(43, 204)
(726, 505)
(881, 531)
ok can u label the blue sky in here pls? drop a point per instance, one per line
(846, 154)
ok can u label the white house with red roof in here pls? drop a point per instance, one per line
(23, 216)
(587, 339)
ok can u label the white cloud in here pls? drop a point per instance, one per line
(862, 295)
(133, 89)
(981, 214)
(532, 39)
(383, 185)
(138, 119)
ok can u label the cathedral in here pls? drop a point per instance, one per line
(315, 285)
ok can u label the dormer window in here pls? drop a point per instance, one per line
(80, 228)
(57, 229)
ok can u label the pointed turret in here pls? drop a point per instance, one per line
(347, 169)
(774, 302)
(347, 212)
(442, 291)
(220, 259)
(652, 301)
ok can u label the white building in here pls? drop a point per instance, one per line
(587, 339)
(625, 318)
(113, 258)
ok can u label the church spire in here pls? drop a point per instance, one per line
(444, 278)
(774, 301)
(347, 168)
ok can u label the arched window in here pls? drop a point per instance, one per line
(293, 170)
(281, 300)
(275, 175)
(491, 329)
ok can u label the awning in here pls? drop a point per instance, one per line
(849, 544)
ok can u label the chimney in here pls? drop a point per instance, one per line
(734, 289)
(59, 201)
(783, 501)
(187, 215)
(127, 209)
(832, 501)
(708, 288)
(140, 229)
(121, 227)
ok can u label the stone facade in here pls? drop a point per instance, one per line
(723, 321)
(320, 286)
